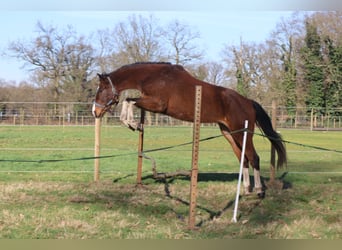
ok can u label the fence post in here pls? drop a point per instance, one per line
(311, 119)
(22, 116)
(97, 149)
(195, 149)
(140, 147)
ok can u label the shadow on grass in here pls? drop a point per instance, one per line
(251, 202)
(212, 214)
(125, 198)
(202, 177)
(219, 177)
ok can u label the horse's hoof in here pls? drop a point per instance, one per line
(131, 127)
(261, 195)
(247, 191)
(140, 127)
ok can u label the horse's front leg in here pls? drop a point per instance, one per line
(126, 116)
(245, 171)
(246, 181)
(148, 103)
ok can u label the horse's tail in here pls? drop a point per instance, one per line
(263, 121)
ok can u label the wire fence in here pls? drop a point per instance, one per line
(77, 113)
(152, 150)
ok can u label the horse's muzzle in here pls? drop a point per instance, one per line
(98, 110)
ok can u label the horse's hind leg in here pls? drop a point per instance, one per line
(255, 162)
(237, 150)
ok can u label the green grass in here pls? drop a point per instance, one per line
(60, 200)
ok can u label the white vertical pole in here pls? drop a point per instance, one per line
(240, 173)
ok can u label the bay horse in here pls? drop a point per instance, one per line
(169, 89)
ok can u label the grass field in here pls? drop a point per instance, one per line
(60, 200)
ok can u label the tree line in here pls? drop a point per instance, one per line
(299, 65)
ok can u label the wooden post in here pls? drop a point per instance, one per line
(63, 117)
(311, 119)
(195, 149)
(97, 149)
(22, 116)
(140, 147)
(274, 125)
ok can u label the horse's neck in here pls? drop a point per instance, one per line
(126, 80)
(131, 78)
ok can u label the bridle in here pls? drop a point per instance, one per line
(112, 100)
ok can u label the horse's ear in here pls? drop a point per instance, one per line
(103, 75)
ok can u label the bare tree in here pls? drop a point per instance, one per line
(212, 72)
(285, 43)
(245, 61)
(329, 24)
(137, 40)
(181, 40)
(253, 68)
(57, 59)
(105, 50)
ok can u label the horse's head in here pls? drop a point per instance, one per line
(106, 96)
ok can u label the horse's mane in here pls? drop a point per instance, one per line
(150, 63)
(142, 63)
(132, 65)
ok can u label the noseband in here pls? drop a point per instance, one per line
(111, 101)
